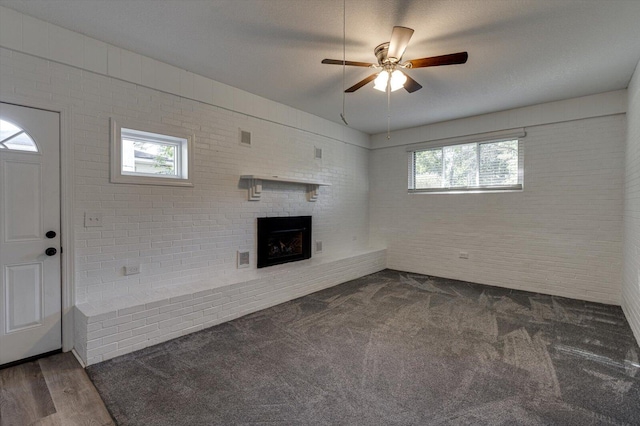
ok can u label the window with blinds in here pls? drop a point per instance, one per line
(480, 166)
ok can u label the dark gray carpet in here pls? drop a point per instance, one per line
(391, 348)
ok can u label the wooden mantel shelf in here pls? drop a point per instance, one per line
(255, 185)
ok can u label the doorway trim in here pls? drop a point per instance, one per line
(65, 113)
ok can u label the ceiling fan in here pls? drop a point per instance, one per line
(389, 74)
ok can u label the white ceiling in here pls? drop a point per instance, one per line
(521, 52)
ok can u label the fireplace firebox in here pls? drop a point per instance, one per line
(283, 239)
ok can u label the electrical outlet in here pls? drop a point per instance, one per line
(132, 269)
(92, 219)
(463, 255)
(318, 153)
(318, 246)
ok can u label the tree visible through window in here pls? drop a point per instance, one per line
(158, 155)
(149, 157)
(472, 166)
(499, 163)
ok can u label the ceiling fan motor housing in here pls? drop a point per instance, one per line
(381, 51)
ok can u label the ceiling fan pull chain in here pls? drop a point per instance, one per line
(388, 112)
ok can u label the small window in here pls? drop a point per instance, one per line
(14, 138)
(469, 167)
(150, 155)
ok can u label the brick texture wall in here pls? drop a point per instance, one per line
(631, 277)
(184, 235)
(562, 235)
(104, 331)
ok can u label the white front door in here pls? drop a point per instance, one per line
(30, 300)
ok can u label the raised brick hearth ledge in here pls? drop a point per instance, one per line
(118, 326)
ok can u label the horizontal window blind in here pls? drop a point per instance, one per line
(466, 167)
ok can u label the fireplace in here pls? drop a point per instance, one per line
(283, 239)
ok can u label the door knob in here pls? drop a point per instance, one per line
(50, 251)
(50, 234)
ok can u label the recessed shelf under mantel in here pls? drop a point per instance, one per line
(255, 185)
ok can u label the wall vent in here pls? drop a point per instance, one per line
(245, 138)
(318, 246)
(318, 153)
(243, 259)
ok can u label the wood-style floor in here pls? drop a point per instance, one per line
(51, 391)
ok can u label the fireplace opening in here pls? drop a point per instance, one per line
(283, 239)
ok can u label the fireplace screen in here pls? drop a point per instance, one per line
(283, 239)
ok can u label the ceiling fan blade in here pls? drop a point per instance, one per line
(435, 61)
(361, 83)
(351, 63)
(411, 85)
(399, 40)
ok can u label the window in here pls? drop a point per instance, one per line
(470, 167)
(14, 138)
(150, 155)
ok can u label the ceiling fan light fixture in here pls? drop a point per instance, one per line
(380, 83)
(397, 80)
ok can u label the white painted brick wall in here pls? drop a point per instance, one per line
(598, 105)
(631, 274)
(561, 236)
(106, 330)
(185, 235)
